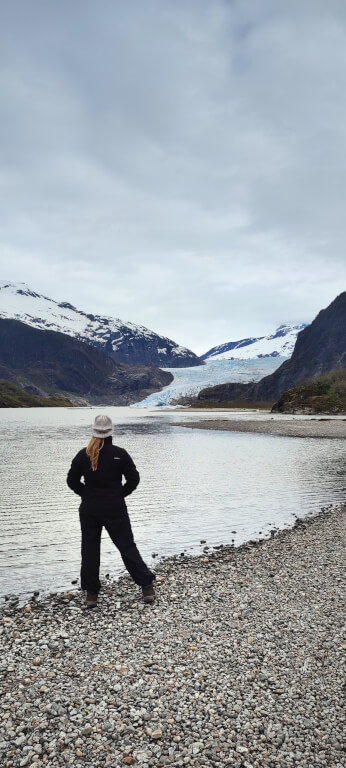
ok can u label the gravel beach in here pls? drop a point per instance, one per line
(332, 428)
(238, 663)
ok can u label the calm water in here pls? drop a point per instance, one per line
(194, 485)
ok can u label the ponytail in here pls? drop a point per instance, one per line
(95, 445)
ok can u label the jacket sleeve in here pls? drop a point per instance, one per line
(130, 473)
(74, 475)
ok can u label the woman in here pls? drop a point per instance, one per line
(103, 465)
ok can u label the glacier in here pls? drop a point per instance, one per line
(188, 382)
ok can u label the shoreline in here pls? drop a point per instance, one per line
(238, 662)
(17, 601)
(316, 428)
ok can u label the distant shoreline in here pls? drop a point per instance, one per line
(319, 427)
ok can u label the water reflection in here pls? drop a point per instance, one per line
(194, 485)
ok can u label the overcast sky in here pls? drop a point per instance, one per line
(176, 163)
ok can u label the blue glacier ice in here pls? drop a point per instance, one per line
(189, 381)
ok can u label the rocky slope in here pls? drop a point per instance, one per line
(47, 362)
(320, 347)
(326, 394)
(124, 342)
(278, 344)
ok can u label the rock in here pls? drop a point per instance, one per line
(157, 734)
(196, 747)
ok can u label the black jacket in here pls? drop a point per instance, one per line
(103, 488)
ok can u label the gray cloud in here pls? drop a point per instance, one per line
(178, 164)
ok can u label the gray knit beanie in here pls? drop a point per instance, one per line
(103, 427)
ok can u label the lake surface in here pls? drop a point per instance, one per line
(194, 485)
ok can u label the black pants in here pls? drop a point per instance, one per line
(118, 526)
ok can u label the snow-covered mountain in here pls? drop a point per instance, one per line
(124, 342)
(279, 344)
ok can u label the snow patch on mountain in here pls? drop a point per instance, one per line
(279, 344)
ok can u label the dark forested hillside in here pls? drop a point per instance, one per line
(12, 396)
(325, 394)
(47, 362)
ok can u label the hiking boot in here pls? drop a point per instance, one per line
(91, 600)
(148, 594)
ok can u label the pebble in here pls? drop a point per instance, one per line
(240, 665)
(155, 734)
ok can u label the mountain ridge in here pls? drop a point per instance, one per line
(278, 344)
(124, 342)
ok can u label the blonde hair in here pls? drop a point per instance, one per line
(94, 447)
